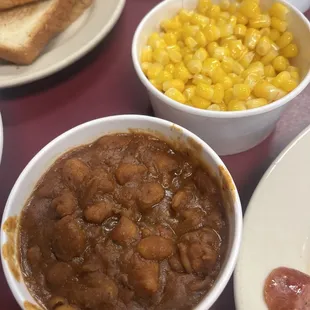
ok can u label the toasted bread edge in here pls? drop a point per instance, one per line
(44, 32)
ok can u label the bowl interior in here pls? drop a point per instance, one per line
(167, 9)
(89, 132)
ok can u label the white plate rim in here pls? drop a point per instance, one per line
(249, 209)
(34, 76)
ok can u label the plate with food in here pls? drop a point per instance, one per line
(41, 37)
(274, 264)
(124, 212)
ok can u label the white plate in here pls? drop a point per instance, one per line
(69, 46)
(276, 225)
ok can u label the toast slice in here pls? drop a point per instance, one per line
(7, 4)
(25, 30)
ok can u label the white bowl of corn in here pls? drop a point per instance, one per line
(223, 69)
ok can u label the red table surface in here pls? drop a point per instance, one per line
(104, 83)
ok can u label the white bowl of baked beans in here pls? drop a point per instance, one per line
(225, 70)
(136, 188)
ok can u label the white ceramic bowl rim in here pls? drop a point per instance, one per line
(200, 112)
(226, 272)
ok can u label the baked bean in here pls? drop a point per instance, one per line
(69, 239)
(65, 204)
(129, 172)
(150, 194)
(74, 172)
(144, 276)
(34, 255)
(58, 274)
(165, 163)
(125, 232)
(99, 212)
(180, 200)
(156, 248)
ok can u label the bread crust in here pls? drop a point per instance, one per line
(51, 24)
(7, 4)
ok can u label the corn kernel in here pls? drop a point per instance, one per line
(290, 51)
(241, 91)
(274, 34)
(289, 85)
(249, 8)
(251, 38)
(278, 24)
(226, 30)
(285, 39)
(201, 54)
(211, 48)
(267, 59)
(252, 79)
(205, 91)
(241, 19)
(227, 82)
(147, 54)
(161, 56)
(203, 6)
(175, 94)
(279, 10)
(255, 103)
(199, 102)
(191, 43)
(214, 11)
(209, 65)
(189, 30)
(189, 92)
(187, 58)
(214, 107)
(181, 44)
(181, 72)
(199, 20)
(265, 31)
(281, 78)
(232, 8)
(236, 79)
(292, 69)
(240, 31)
(280, 63)
(228, 95)
(212, 33)
(145, 66)
(227, 64)
(177, 84)
(218, 94)
(224, 5)
(246, 60)
(218, 75)
(194, 66)
(170, 24)
(185, 15)
(224, 15)
(201, 39)
(236, 105)
(260, 21)
(200, 78)
(263, 46)
(295, 76)
(174, 55)
(269, 71)
(220, 52)
(163, 76)
(170, 38)
(268, 91)
(237, 68)
(170, 68)
(154, 70)
(255, 67)
(233, 20)
(156, 84)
